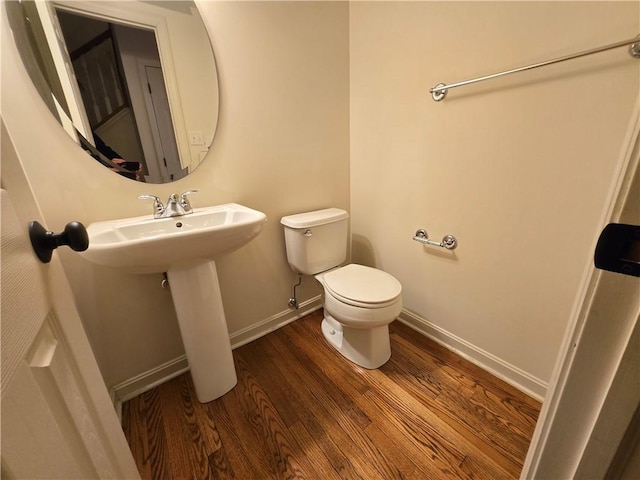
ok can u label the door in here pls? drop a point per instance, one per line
(595, 388)
(62, 60)
(161, 122)
(57, 418)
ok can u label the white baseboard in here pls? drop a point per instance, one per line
(526, 383)
(514, 376)
(279, 320)
(152, 378)
(146, 381)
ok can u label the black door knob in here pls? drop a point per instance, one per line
(45, 242)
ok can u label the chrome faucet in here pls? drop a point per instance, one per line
(176, 206)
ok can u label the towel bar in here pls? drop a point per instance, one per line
(448, 241)
(439, 92)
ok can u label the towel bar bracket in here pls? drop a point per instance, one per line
(634, 48)
(438, 93)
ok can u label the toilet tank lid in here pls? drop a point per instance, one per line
(315, 218)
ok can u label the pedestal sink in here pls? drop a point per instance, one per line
(186, 248)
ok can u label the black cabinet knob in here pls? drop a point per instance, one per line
(45, 242)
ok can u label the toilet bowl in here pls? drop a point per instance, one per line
(359, 304)
(359, 301)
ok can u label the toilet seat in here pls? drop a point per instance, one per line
(362, 286)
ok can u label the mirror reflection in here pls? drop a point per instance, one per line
(133, 83)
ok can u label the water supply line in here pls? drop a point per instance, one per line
(293, 301)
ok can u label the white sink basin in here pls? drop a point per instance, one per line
(148, 245)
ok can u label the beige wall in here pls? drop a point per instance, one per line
(518, 169)
(282, 146)
(327, 104)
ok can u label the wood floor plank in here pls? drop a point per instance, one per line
(504, 422)
(159, 454)
(522, 414)
(344, 422)
(342, 369)
(135, 428)
(268, 425)
(437, 361)
(478, 425)
(217, 455)
(477, 470)
(322, 467)
(467, 372)
(397, 454)
(244, 462)
(445, 445)
(302, 411)
(335, 372)
(432, 440)
(411, 375)
(313, 417)
(258, 356)
(248, 440)
(308, 334)
(189, 457)
(494, 429)
(339, 380)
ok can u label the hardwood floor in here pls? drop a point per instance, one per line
(302, 411)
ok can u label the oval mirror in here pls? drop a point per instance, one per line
(134, 83)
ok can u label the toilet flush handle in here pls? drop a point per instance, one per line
(307, 233)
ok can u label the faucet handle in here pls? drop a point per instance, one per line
(157, 204)
(188, 192)
(184, 201)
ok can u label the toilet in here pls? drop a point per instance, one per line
(359, 302)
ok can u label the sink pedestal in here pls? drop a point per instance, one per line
(196, 296)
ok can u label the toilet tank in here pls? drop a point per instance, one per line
(316, 241)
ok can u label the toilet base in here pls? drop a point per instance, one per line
(368, 347)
